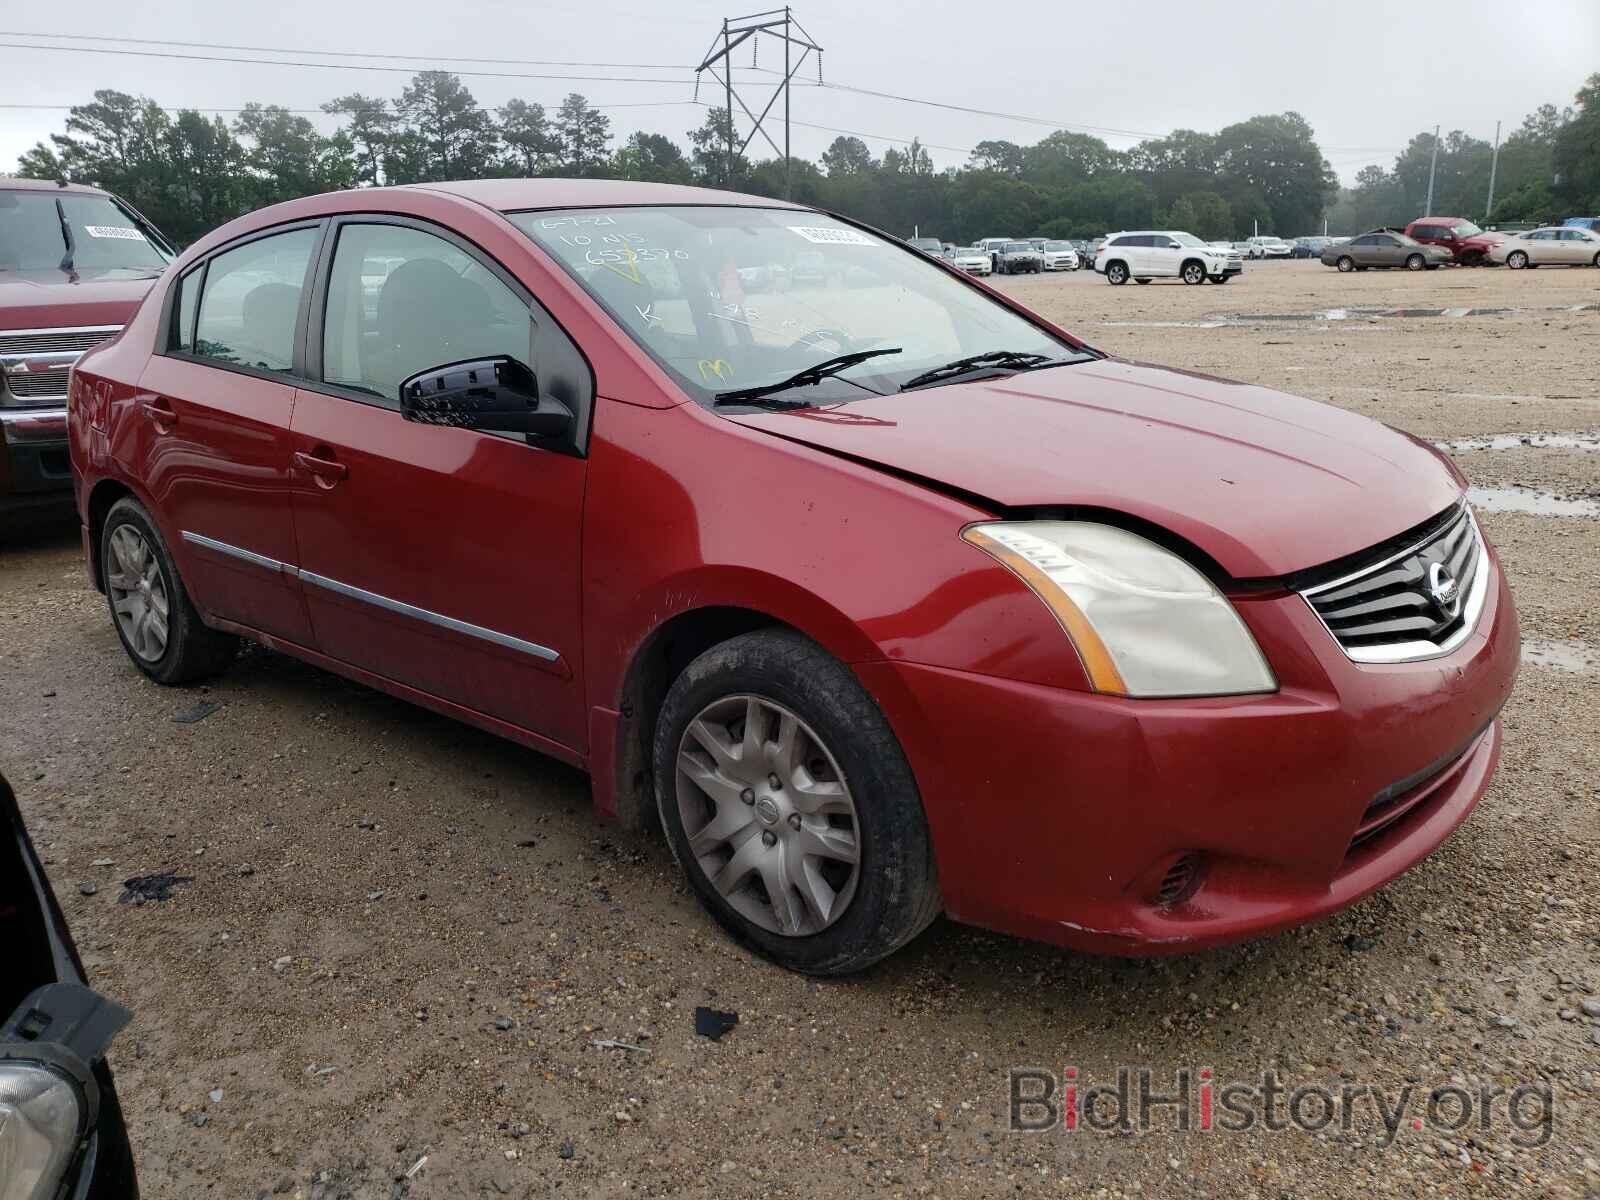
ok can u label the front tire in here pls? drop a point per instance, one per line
(790, 807)
(154, 618)
(1116, 273)
(1194, 273)
(1518, 259)
(1346, 264)
(1415, 262)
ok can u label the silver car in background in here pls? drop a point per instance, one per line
(1554, 245)
(974, 260)
(1060, 256)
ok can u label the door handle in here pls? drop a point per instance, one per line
(325, 471)
(160, 414)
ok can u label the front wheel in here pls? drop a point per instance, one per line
(1518, 259)
(157, 623)
(1116, 273)
(1194, 273)
(1415, 262)
(1346, 264)
(790, 807)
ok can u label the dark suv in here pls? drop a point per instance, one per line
(74, 264)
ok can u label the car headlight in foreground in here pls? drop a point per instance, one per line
(1145, 623)
(50, 1099)
(41, 1120)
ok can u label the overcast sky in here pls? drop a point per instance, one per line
(1366, 74)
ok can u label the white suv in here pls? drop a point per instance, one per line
(1269, 247)
(1145, 254)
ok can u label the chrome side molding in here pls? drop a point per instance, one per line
(428, 616)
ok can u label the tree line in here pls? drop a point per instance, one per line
(189, 172)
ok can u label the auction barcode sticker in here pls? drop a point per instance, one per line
(829, 236)
(114, 231)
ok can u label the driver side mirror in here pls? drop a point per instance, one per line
(496, 394)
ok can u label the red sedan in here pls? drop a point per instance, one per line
(884, 595)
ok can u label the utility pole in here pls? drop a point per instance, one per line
(1488, 209)
(777, 23)
(1427, 209)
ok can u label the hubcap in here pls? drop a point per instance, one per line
(788, 861)
(138, 592)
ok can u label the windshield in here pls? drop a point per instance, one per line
(1465, 229)
(105, 236)
(1016, 246)
(732, 298)
(1058, 245)
(1187, 239)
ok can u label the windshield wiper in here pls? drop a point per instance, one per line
(814, 374)
(1016, 359)
(66, 236)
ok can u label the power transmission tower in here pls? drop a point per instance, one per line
(777, 24)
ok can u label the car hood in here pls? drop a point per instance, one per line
(1485, 239)
(53, 299)
(1265, 483)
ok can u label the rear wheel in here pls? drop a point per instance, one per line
(1194, 272)
(1596, 262)
(1415, 262)
(1346, 263)
(790, 806)
(158, 625)
(1116, 273)
(1518, 259)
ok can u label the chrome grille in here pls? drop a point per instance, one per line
(1400, 608)
(36, 385)
(18, 342)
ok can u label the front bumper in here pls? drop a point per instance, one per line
(1056, 815)
(34, 469)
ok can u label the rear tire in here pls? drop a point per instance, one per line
(1116, 273)
(1346, 264)
(843, 788)
(155, 620)
(1415, 262)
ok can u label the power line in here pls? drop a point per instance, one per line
(515, 62)
(206, 108)
(326, 66)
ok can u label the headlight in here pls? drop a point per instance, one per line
(40, 1115)
(1144, 622)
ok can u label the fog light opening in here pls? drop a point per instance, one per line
(1180, 880)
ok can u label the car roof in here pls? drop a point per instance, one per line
(1435, 220)
(9, 183)
(509, 195)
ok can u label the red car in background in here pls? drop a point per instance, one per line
(1468, 245)
(74, 264)
(882, 594)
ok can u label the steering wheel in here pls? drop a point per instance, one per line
(830, 341)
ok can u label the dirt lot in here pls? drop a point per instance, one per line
(403, 938)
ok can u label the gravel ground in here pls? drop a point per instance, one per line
(402, 938)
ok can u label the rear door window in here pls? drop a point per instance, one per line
(251, 303)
